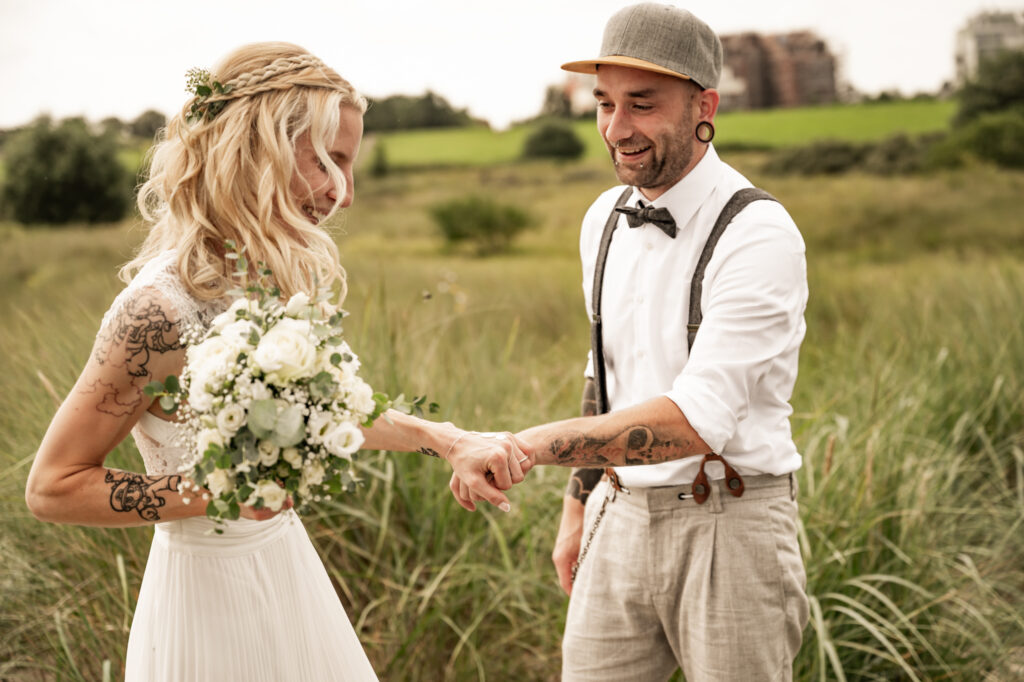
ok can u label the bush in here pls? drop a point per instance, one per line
(827, 157)
(553, 140)
(481, 221)
(62, 174)
(147, 124)
(994, 137)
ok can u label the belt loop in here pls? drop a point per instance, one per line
(792, 486)
(716, 497)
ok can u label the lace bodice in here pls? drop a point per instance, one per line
(156, 438)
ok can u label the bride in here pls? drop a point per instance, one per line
(261, 155)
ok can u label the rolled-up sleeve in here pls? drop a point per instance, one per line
(753, 301)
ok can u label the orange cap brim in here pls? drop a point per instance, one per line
(590, 66)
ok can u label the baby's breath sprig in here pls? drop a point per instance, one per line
(198, 82)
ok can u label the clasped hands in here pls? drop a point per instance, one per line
(483, 465)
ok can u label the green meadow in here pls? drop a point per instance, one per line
(772, 128)
(909, 411)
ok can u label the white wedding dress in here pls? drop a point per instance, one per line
(254, 603)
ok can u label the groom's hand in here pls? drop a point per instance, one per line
(567, 544)
(483, 465)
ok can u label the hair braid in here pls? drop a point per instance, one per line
(262, 79)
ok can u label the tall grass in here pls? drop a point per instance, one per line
(908, 411)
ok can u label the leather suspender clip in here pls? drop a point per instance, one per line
(702, 487)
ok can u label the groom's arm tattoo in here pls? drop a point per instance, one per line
(637, 444)
(583, 481)
(134, 492)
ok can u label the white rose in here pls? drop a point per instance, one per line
(298, 305)
(200, 399)
(287, 351)
(230, 419)
(343, 440)
(273, 495)
(206, 438)
(219, 481)
(269, 453)
(238, 333)
(292, 456)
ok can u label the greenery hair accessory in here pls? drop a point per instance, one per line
(198, 83)
(211, 95)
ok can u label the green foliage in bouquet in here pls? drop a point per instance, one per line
(271, 400)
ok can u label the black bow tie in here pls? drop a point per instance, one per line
(648, 214)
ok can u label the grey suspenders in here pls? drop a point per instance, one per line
(736, 203)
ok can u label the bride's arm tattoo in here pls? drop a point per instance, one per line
(135, 492)
(633, 445)
(140, 329)
(429, 451)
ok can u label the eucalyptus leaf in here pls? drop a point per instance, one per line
(263, 417)
(171, 384)
(290, 429)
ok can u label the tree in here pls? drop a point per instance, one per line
(999, 85)
(147, 124)
(488, 225)
(64, 173)
(402, 112)
(553, 139)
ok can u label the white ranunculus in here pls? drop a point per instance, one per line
(230, 419)
(360, 395)
(269, 453)
(273, 495)
(199, 399)
(207, 437)
(298, 305)
(219, 481)
(343, 440)
(287, 351)
(292, 456)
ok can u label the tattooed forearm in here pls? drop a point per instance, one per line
(140, 329)
(634, 445)
(429, 452)
(582, 483)
(588, 405)
(134, 492)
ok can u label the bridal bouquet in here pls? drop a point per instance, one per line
(271, 401)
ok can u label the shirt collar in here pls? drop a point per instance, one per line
(691, 191)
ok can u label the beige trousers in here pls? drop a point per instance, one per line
(717, 589)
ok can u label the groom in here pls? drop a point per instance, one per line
(682, 557)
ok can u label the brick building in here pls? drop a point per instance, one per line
(784, 70)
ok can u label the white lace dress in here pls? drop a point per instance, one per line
(254, 603)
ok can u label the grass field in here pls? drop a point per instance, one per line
(909, 411)
(771, 128)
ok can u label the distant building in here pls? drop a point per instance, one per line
(985, 36)
(785, 70)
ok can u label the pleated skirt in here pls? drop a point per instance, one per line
(253, 604)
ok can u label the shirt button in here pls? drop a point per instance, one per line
(650, 247)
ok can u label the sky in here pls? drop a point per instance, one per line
(99, 58)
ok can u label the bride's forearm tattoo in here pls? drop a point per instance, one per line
(135, 492)
(140, 329)
(429, 451)
(634, 445)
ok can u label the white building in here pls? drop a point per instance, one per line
(985, 36)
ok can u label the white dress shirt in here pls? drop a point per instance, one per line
(736, 385)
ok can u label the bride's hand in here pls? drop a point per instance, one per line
(491, 474)
(264, 514)
(486, 463)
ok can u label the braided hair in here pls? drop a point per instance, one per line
(227, 177)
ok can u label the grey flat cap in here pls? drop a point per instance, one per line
(659, 38)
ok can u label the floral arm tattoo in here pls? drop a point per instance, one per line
(141, 494)
(129, 341)
(583, 481)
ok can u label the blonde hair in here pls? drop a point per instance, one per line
(228, 177)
